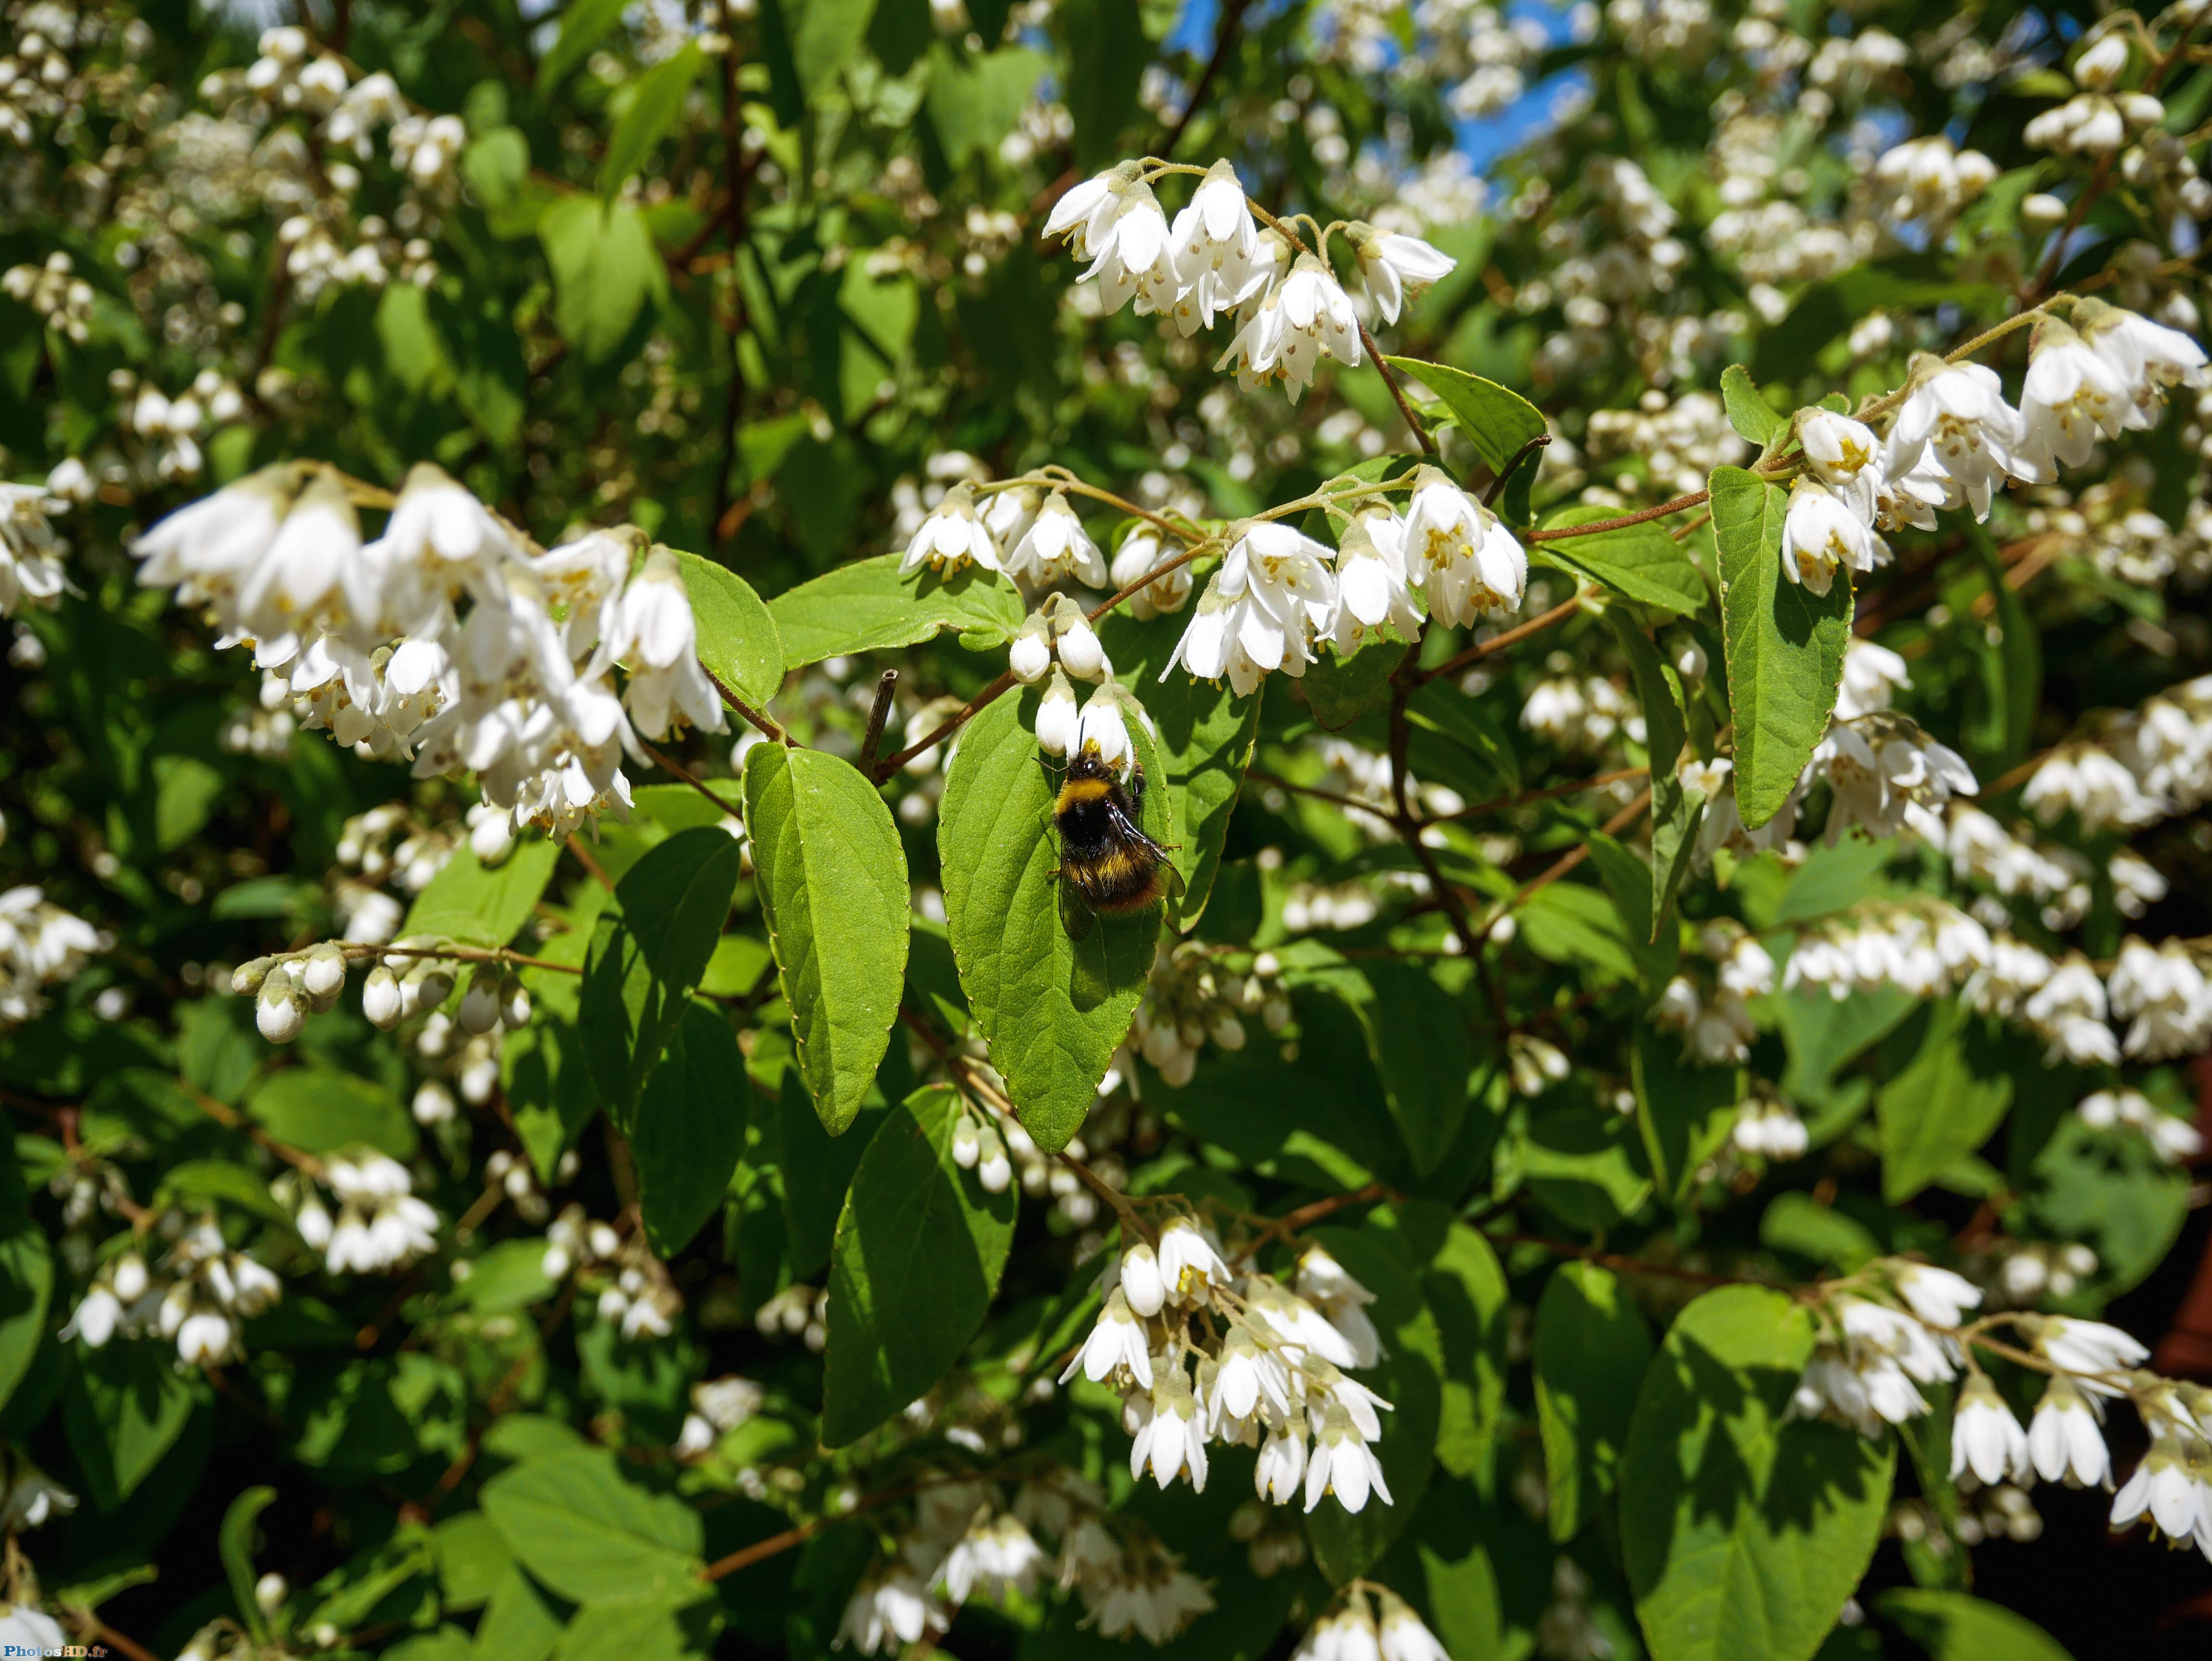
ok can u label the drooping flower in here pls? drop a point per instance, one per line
(1215, 247)
(1985, 1438)
(953, 536)
(1459, 553)
(1371, 587)
(1820, 534)
(1308, 318)
(1395, 268)
(1955, 440)
(1273, 593)
(2071, 397)
(1055, 547)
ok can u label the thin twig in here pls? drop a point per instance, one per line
(1482, 649)
(946, 728)
(879, 712)
(760, 721)
(1574, 856)
(1505, 804)
(669, 763)
(1397, 393)
(596, 871)
(1498, 485)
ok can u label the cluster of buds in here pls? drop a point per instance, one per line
(2020, 1273)
(964, 1542)
(719, 1406)
(1193, 998)
(511, 1174)
(1769, 1127)
(977, 1146)
(54, 290)
(1354, 1630)
(411, 980)
(1058, 631)
(635, 1293)
(381, 1224)
(1713, 1009)
(1269, 1360)
(198, 1297)
(800, 1311)
(1100, 726)
(2173, 1139)
(1535, 1064)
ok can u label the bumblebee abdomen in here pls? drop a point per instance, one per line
(1104, 857)
(1116, 880)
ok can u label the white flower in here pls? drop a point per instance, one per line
(1008, 515)
(2102, 793)
(2165, 996)
(1029, 659)
(1084, 212)
(1118, 1340)
(655, 634)
(1343, 1464)
(1055, 547)
(1985, 1438)
(2086, 1348)
(1274, 591)
(2102, 63)
(1304, 1331)
(1247, 1379)
(1403, 1636)
(994, 1557)
(2144, 357)
(1140, 553)
(2066, 1440)
(1128, 239)
(1461, 556)
(1216, 250)
(1936, 1295)
(1282, 1464)
(1395, 268)
(1307, 318)
(1141, 1281)
(1170, 1440)
(891, 1604)
(1821, 532)
(2071, 397)
(30, 562)
(1371, 581)
(1888, 775)
(951, 537)
(1190, 1264)
(33, 1498)
(2163, 1486)
(1059, 726)
(1955, 439)
(1323, 1282)
(1102, 728)
(1075, 642)
(1845, 455)
(1872, 674)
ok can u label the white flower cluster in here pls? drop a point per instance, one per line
(1768, 1126)
(40, 944)
(965, 1542)
(30, 554)
(2097, 120)
(800, 1311)
(2154, 762)
(2164, 995)
(1926, 182)
(1192, 999)
(518, 691)
(1273, 1380)
(1717, 1016)
(381, 1224)
(2174, 1140)
(62, 299)
(197, 1298)
(636, 1293)
(1579, 713)
(1214, 261)
(1353, 1632)
(2056, 879)
(719, 1406)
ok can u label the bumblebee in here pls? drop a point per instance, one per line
(1105, 858)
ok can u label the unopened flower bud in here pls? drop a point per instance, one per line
(967, 1144)
(480, 1003)
(1058, 721)
(270, 1591)
(513, 1004)
(322, 975)
(1080, 653)
(380, 999)
(247, 977)
(1030, 658)
(278, 1013)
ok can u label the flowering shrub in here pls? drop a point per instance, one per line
(871, 826)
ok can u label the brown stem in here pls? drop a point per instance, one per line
(1505, 804)
(1397, 393)
(1561, 533)
(946, 728)
(879, 712)
(596, 871)
(1568, 861)
(759, 721)
(669, 763)
(1498, 485)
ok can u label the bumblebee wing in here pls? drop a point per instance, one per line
(1128, 827)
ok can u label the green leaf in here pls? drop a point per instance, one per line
(1676, 810)
(1627, 878)
(656, 101)
(26, 1286)
(738, 643)
(586, 1534)
(1591, 1349)
(1743, 1530)
(1340, 690)
(123, 1411)
(867, 606)
(1497, 421)
(817, 1169)
(234, 1544)
(831, 874)
(1686, 1112)
(319, 1110)
(973, 102)
(824, 35)
(605, 269)
(2110, 1190)
(583, 26)
(1753, 418)
(1207, 735)
(1785, 644)
(622, 1007)
(1640, 561)
(917, 1259)
(675, 900)
(1952, 1626)
(519, 1624)
(690, 1129)
(1468, 1294)
(1107, 53)
(506, 1277)
(1797, 1222)
(1410, 1376)
(484, 906)
(472, 1560)
(549, 1088)
(1943, 1105)
(1052, 986)
(1421, 1050)
(1582, 1164)
(670, 1627)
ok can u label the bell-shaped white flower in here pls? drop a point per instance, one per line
(1170, 1440)
(1105, 727)
(1116, 1342)
(1056, 547)
(1937, 1296)
(1059, 722)
(1282, 1463)
(2146, 357)
(1872, 674)
(1008, 515)
(2066, 1437)
(1307, 318)
(1128, 239)
(952, 536)
(1140, 551)
(1188, 1262)
(1395, 268)
(1985, 1438)
(1141, 1281)
(1029, 659)
(1819, 533)
(655, 634)
(1459, 553)
(1215, 247)
(1371, 587)
(1954, 433)
(1343, 1464)
(1401, 1637)
(1085, 212)
(2070, 397)
(2088, 1350)
(1273, 593)
(1844, 454)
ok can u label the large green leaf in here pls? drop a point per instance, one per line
(1497, 421)
(656, 100)
(235, 1545)
(605, 269)
(1640, 561)
(1785, 644)
(1952, 1626)
(621, 1009)
(824, 35)
(1684, 1111)
(690, 1128)
(1591, 1349)
(588, 1535)
(1676, 810)
(973, 101)
(1053, 986)
(739, 642)
(675, 898)
(1207, 735)
(319, 1110)
(1943, 1105)
(124, 1409)
(866, 606)
(919, 1250)
(583, 26)
(1421, 1050)
(1743, 1530)
(1411, 1378)
(832, 879)
(1468, 1294)
(671, 1626)
(26, 1286)
(817, 1169)
(484, 906)
(1754, 419)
